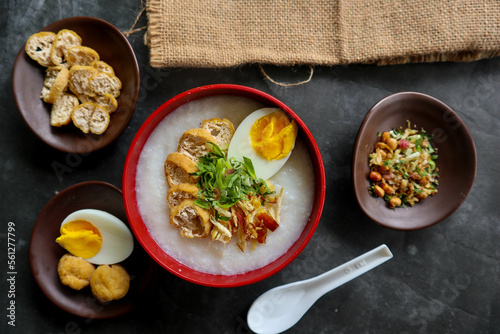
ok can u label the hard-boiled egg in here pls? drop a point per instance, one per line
(97, 236)
(267, 137)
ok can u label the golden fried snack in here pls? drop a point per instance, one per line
(179, 192)
(81, 55)
(178, 169)
(193, 143)
(65, 39)
(89, 117)
(99, 121)
(81, 115)
(103, 83)
(102, 66)
(38, 47)
(55, 83)
(221, 129)
(60, 113)
(79, 80)
(106, 102)
(75, 272)
(110, 282)
(193, 221)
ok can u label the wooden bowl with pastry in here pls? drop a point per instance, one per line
(76, 83)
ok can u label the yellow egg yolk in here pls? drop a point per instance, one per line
(80, 238)
(273, 136)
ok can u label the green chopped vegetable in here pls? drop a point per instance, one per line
(224, 182)
(409, 171)
(432, 164)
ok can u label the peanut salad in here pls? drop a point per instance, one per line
(402, 167)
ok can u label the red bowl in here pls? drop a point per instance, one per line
(139, 228)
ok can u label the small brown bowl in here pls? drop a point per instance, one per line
(44, 253)
(27, 82)
(456, 161)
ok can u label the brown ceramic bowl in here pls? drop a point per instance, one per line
(28, 76)
(456, 161)
(44, 253)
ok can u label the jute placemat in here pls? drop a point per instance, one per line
(224, 33)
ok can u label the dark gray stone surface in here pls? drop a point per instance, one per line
(444, 279)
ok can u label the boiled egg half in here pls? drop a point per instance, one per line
(267, 137)
(96, 236)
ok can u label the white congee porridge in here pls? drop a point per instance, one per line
(296, 178)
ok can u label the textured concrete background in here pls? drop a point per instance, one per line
(444, 279)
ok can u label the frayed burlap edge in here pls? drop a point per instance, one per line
(157, 38)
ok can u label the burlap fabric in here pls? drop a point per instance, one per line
(223, 33)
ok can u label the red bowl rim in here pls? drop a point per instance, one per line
(140, 230)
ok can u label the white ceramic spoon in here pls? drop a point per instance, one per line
(282, 307)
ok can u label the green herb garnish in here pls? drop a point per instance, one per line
(224, 182)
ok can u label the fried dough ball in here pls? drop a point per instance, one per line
(75, 272)
(109, 282)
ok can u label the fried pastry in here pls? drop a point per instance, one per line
(75, 272)
(110, 282)
(192, 220)
(178, 169)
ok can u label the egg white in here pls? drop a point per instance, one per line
(241, 146)
(117, 240)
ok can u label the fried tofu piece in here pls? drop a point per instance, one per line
(221, 129)
(55, 83)
(60, 114)
(192, 220)
(179, 168)
(75, 272)
(81, 55)
(103, 83)
(102, 66)
(89, 117)
(194, 143)
(78, 81)
(64, 40)
(38, 47)
(110, 282)
(179, 192)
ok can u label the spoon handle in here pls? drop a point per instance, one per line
(350, 270)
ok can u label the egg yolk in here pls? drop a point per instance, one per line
(80, 238)
(273, 136)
